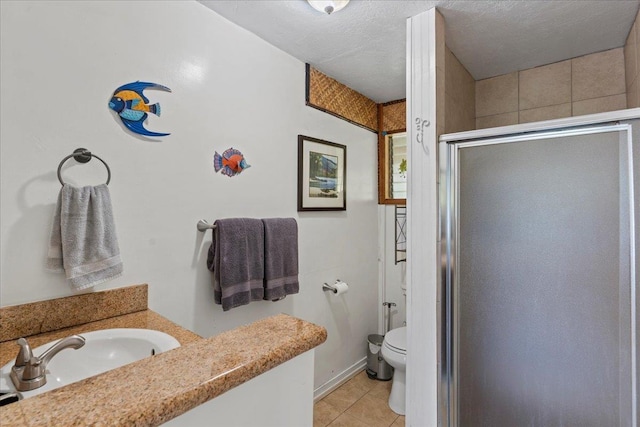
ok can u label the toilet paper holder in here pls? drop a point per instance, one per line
(327, 287)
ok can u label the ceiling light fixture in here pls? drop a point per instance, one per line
(328, 6)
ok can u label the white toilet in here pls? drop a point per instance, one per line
(394, 351)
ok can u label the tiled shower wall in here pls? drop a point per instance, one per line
(584, 85)
(632, 65)
(459, 96)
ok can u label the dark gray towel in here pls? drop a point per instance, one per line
(83, 240)
(280, 258)
(236, 257)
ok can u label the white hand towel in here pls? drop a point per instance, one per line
(83, 240)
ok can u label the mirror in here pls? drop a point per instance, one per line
(392, 168)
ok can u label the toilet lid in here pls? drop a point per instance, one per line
(397, 339)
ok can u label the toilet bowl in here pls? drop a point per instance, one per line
(394, 351)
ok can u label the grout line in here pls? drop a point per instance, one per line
(571, 85)
(518, 93)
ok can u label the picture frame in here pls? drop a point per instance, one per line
(322, 175)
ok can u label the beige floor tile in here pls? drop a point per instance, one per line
(345, 395)
(399, 422)
(363, 381)
(381, 390)
(346, 420)
(373, 411)
(324, 414)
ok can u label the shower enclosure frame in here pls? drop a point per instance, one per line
(449, 216)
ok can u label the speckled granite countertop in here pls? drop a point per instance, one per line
(158, 388)
(146, 319)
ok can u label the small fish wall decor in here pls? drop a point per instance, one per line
(231, 162)
(133, 107)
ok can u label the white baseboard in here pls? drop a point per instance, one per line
(339, 379)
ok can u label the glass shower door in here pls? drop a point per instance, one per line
(540, 286)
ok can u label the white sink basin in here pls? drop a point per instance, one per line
(104, 350)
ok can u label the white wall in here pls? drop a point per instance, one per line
(60, 63)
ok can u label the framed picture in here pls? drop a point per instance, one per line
(322, 175)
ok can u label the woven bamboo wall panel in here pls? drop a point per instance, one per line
(394, 116)
(330, 95)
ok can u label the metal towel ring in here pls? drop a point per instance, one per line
(82, 155)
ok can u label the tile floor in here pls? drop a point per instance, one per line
(360, 402)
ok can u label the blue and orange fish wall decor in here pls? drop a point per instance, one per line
(231, 162)
(132, 106)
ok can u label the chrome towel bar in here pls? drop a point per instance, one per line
(204, 226)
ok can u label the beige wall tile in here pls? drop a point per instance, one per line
(637, 21)
(459, 83)
(545, 85)
(637, 55)
(630, 57)
(440, 97)
(600, 105)
(470, 98)
(633, 101)
(545, 113)
(497, 120)
(497, 95)
(452, 115)
(599, 74)
(469, 122)
(458, 116)
(636, 24)
(440, 130)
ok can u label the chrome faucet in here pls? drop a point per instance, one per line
(29, 372)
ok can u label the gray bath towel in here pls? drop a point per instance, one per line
(83, 240)
(236, 258)
(280, 258)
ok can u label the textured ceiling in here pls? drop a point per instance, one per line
(363, 46)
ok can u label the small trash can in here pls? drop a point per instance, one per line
(377, 367)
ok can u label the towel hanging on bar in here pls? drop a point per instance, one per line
(236, 257)
(83, 240)
(280, 258)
